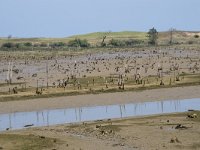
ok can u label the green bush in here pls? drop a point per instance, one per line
(117, 43)
(78, 43)
(18, 45)
(57, 44)
(122, 43)
(131, 42)
(8, 45)
(28, 44)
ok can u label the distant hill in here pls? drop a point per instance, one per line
(94, 38)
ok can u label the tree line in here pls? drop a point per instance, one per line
(152, 36)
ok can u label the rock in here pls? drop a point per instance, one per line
(192, 116)
(98, 126)
(179, 126)
(190, 109)
(34, 75)
(172, 140)
(42, 137)
(19, 78)
(28, 125)
(111, 131)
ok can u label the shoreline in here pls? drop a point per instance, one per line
(101, 99)
(171, 131)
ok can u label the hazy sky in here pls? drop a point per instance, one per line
(61, 18)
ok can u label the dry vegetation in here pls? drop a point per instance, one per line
(34, 74)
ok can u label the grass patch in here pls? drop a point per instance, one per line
(25, 142)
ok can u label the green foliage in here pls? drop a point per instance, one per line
(103, 44)
(18, 45)
(116, 43)
(122, 43)
(196, 36)
(84, 43)
(78, 43)
(57, 44)
(28, 44)
(131, 42)
(8, 45)
(14, 45)
(153, 36)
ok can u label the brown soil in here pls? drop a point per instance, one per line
(155, 132)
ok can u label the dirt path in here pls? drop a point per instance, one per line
(100, 99)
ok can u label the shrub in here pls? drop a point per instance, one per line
(121, 43)
(43, 45)
(131, 42)
(57, 44)
(8, 45)
(196, 36)
(28, 44)
(18, 45)
(78, 43)
(116, 43)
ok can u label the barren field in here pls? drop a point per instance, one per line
(37, 80)
(35, 74)
(176, 131)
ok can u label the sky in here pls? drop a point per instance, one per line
(63, 18)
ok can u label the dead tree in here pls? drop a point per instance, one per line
(171, 30)
(15, 90)
(103, 41)
(104, 37)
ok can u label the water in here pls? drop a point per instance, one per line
(60, 116)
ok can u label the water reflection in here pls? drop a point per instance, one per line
(59, 116)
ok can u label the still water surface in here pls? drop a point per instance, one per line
(72, 115)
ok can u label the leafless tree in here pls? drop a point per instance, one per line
(171, 31)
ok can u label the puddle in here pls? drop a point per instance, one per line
(72, 115)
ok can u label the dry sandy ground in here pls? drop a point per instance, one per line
(147, 133)
(100, 99)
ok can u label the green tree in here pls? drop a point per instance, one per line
(153, 36)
